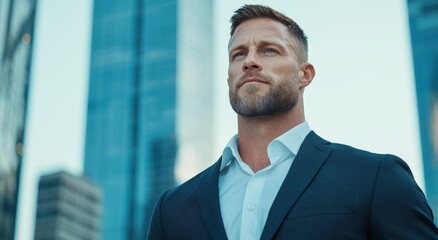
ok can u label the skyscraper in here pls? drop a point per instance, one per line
(149, 108)
(68, 208)
(16, 31)
(423, 19)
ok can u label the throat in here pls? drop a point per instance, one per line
(258, 165)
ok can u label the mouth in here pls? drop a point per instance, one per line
(252, 80)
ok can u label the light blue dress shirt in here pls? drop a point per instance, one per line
(246, 197)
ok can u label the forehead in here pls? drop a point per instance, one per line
(259, 29)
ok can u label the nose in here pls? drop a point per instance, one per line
(252, 62)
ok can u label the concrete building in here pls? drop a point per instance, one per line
(68, 208)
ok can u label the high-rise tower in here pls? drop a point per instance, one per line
(423, 19)
(16, 31)
(149, 108)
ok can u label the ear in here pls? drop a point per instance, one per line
(228, 81)
(306, 74)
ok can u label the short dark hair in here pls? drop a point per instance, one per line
(253, 11)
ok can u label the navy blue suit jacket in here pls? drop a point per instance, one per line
(331, 191)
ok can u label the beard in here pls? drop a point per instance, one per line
(280, 99)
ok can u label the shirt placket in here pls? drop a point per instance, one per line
(251, 208)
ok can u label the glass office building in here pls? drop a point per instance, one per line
(423, 19)
(16, 29)
(149, 107)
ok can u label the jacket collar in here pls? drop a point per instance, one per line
(208, 199)
(311, 156)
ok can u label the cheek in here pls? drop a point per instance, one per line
(233, 69)
(233, 76)
(289, 79)
(291, 73)
(283, 69)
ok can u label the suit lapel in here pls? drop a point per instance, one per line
(209, 206)
(311, 156)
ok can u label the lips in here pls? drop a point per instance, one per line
(251, 79)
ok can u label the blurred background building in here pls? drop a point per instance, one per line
(149, 105)
(149, 123)
(16, 31)
(68, 208)
(423, 19)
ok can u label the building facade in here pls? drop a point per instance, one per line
(68, 208)
(149, 108)
(423, 20)
(16, 31)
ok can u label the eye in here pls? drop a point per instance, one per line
(238, 55)
(270, 51)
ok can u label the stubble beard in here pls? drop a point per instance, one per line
(280, 99)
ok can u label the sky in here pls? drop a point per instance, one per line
(363, 93)
(54, 135)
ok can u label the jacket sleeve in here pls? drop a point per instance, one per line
(399, 209)
(155, 231)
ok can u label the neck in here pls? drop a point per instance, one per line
(255, 134)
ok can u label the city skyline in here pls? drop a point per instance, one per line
(359, 76)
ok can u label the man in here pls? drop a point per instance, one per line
(276, 178)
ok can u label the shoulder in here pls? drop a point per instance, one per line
(388, 165)
(356, 155)
(182, 202)
(183, 198)
(389, 175)
(187, 191)
(383, 185)
(344, 149)
(354, 162)
(351, 155)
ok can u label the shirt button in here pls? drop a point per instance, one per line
(251, 207)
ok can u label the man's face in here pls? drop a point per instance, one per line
(263, 68)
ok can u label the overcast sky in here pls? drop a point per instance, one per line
(362, 95)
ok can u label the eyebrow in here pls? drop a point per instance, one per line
(261, 43)
(266, 43)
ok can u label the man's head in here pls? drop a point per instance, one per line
(248, 12)
(268, 68)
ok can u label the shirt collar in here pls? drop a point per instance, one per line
(292, 140)
(230, 151)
